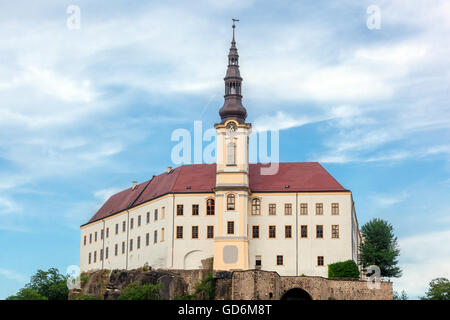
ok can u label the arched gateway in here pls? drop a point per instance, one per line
(296, 294)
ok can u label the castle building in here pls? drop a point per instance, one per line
(295, 221)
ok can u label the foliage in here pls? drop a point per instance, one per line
(345, 269)
(83, 278)
(136, 291)
(204, 290)
(27, 294)
(86, 297)
(380, 247)
(439, 290)
(401, 296)
(185, 296)
(146, 267)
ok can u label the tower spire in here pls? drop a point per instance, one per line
(233, 108)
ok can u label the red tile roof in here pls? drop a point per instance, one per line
(201, 178)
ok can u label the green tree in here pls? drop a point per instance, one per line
(380, 247)
(50, 284)
(345, 269)
(136, 291)
(27, 294)
(401, 296)
(204, 290)
(439, 290)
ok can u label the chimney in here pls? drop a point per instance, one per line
(169, 169)
(133, 186)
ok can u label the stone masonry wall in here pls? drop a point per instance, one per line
(257, 284)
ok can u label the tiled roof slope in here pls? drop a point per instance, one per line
(199, 178)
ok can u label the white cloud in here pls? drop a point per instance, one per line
(13, 275)
(387, 200)
(423, 258)
(8, 206)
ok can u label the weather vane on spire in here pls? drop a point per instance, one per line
(234, 26)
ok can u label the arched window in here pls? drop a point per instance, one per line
(231, 202)
(210, 207)
(233, 88)
(256, 206)
(231, 153)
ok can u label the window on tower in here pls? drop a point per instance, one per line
(231, 153)
(231, 202)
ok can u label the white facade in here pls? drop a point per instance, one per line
(300, 254)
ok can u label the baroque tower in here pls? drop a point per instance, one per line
(232, 173)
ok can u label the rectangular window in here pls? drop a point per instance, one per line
(117, 228)
(258, 262)
(335, 231)
(139, 221)
(101, 234)
(156, 214)
(138, 244)
(320, 260)
(147, 239)
(131, 244)
(107, 232)
(95, 256)
(179, 209)
(210, 232)
(279, 260)
(179, 232)
(231, 202)
(303, 209)
(148, 217)
(90, 237)
(272, 232)
(319, 209)
(210, 207)
(304, 231)
(195, 209)
(101, 254)
(319, 231)
(288, 209)
(162, 234)
(84, 240)
(131, 223)
(116, 249)
(95, 237)
(194, 232)
(288, 232)
(335, 209)
(230, 227)
(255, 232)
(89, 258)
(107, 253)
(163, 212)
(124, 226)
(272, 209)
(155, 236)
(123, 247)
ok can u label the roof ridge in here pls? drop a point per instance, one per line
(176, 179)
(143, 189)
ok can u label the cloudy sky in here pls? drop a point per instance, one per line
(83, 112)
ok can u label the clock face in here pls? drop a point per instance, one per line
(231, 126)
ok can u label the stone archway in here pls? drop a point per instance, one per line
(193, 260)
(296, 294)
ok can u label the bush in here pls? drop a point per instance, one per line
(346, 269)
(136, 291)
(27, 294)
(86, 297)
(204, 290)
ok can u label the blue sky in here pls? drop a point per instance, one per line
(85, 112)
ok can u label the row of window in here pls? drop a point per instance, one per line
(131, 246)
(272, 231)
(279, 261)
(256, 207)
(124, 225)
